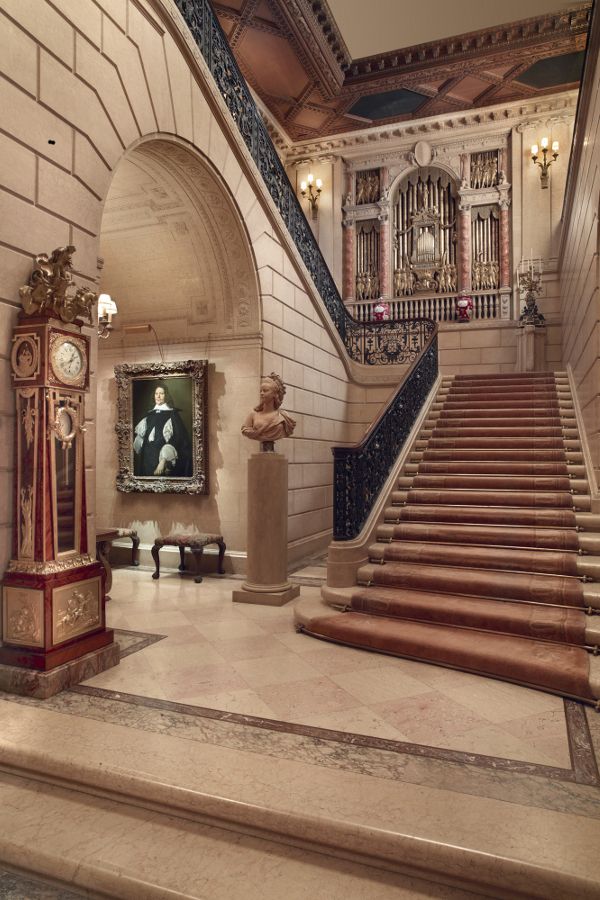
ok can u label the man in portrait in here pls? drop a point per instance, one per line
(161, 445)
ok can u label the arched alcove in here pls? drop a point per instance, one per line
(175, 255)
(174, 248)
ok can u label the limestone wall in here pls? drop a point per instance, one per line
(580, 270)
(83, 86)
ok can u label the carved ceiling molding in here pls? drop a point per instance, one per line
(491, 60)
(359, 146)
(513, 38)
(313, 32)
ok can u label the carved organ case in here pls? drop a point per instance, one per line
(424, 234)
(53, 590)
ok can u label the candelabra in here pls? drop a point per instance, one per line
(312, 193)
(530, 284)
(546, 163)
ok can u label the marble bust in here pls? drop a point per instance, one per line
(268, 422)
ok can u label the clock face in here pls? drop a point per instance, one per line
(69, 360)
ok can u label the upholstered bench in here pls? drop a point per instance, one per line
(194, 542)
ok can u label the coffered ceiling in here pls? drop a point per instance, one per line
(325, 68)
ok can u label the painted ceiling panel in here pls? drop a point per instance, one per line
(295, 55)
(276, 69)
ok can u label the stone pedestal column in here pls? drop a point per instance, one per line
(348, 256)
(464, 257)
(266, 569)
(531, 348)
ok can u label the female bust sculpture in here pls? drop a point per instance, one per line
(268, 422)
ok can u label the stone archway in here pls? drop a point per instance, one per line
(175, 254)
(168, 207)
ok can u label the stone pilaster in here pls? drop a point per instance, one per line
(348, 257)
(464, 250)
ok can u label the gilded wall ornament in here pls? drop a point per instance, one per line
(50, 289)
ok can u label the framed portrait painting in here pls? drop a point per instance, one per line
(161, 427)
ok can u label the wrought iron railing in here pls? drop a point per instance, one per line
(486, 306)
(360, 471)
(370, 343)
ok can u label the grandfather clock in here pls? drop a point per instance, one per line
(53, 618)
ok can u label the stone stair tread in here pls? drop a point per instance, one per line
(469, 497)
(477, 557)
(491, 467)
(477, 515)
(482, 539)
(495, 481)
(561, 668)
(490, 535)
(560, 590)
(526, 619)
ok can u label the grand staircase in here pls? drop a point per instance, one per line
(487, 560)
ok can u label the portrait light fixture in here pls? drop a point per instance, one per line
(312, 193)
(107, 308)
(144, 328)
(545, 163)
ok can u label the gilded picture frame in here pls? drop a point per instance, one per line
(161, 427)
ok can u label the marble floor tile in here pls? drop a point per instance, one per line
(429, 718)
(357, 720)
(250, 647)
(294, 699)
(493, 740)
(245, 701)
(229, 629)
(277, 670)
(245, 658)
(545, 733)
(379, 685)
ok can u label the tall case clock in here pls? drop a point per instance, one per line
(53, 590)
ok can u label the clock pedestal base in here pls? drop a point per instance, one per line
(33, 683)
(51, 621)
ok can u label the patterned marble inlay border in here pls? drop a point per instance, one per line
(584, 767)
(569, 790)
(134, 641)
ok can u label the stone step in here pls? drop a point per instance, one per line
(137, 814)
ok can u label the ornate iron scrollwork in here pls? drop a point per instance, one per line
(360, 472)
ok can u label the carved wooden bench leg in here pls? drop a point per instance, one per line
(103, 551)
(135, 549)
(197, 554)
(220, 566)
(155, 552)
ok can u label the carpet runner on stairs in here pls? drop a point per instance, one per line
(484, 558)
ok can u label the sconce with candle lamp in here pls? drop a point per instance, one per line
(312, 193)
(107, 308)
(545, 162)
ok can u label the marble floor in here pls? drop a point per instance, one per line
(226, 701)
(246, 659)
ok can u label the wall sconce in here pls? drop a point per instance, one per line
(107, 308)
(312, 193)
(546, 163)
